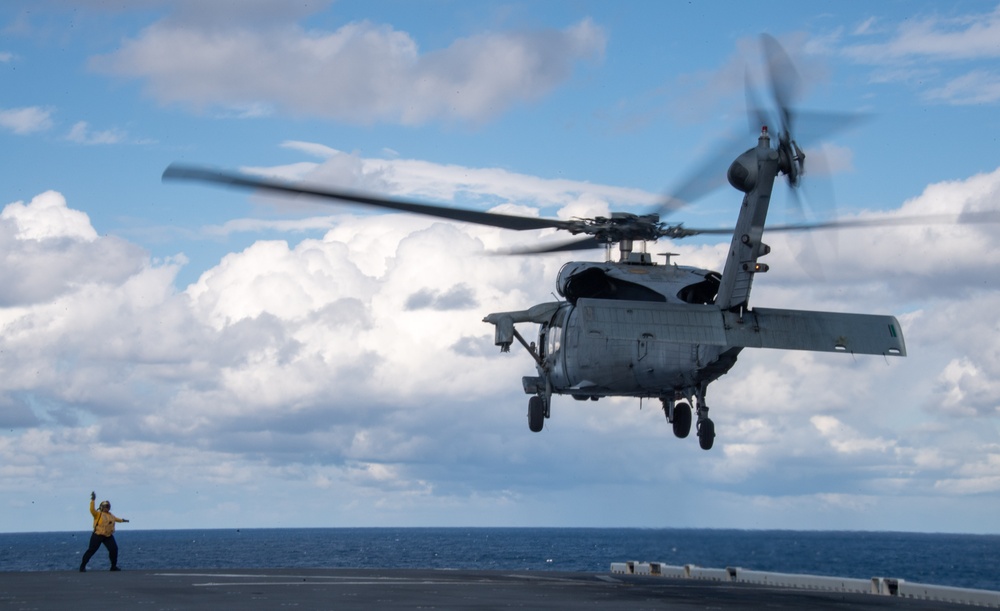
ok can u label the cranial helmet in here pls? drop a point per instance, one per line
(106, 504)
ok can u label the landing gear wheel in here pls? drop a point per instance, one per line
(682, 420)
(706, 434)
(536, 414)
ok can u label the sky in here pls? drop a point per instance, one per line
(211, 358)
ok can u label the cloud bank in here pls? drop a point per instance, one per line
(355, 370)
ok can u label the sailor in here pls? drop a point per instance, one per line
(104, 533)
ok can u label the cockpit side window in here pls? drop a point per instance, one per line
(551, 335)
(554, 339)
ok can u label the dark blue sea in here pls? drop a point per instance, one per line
(968, 561)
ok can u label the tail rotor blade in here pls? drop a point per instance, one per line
(704, 178)
(756, 117)
(784, 79)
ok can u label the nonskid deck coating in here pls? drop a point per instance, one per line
(254, 589)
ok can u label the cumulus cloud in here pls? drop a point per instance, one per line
(459, 297)
(353, 372)
(48, 216)
(961, 243)
(362, 72)
(293, 350)
(48, 247)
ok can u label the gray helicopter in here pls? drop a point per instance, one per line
(638, 328)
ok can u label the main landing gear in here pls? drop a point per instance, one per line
(678, 413)
(538, 411)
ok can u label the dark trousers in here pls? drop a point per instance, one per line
(95, 543)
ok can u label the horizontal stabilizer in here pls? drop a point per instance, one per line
(707, 325)
(816, 331)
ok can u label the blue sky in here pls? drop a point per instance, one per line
(183, 349)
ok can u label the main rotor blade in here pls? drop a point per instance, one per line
(587, 243)
(963, 218)
(236, 179)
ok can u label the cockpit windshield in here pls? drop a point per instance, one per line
(551, 335)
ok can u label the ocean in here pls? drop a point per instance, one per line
(967, 561)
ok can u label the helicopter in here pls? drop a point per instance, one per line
(638, 328)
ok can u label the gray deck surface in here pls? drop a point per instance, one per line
(408, 589)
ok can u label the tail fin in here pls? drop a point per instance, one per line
(753, 172)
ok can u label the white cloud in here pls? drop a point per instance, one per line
(936, 37)
(316, 150)
(27, 120)
(845, 439)
(918, 49)
(961, 250)
(47, 217)
(334, 368)
(976, 87)
(867, 26)
(49, 248)
(360, 73)
(82, 134)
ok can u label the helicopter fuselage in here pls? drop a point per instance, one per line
(607, 338)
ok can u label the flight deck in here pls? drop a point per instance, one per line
(258, 589)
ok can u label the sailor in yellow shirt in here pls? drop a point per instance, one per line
(104, 532)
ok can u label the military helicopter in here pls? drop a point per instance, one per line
(637, 328)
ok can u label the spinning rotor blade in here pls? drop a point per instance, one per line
(963, 218)
(236, 179)
(784, 79)
(756, 117)
(707, 176)
(588, 243)
(816, 126)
